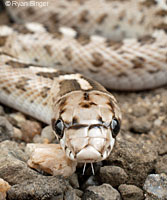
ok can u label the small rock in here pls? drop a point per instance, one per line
(46, 136)
(6, 129)
(113, 175)
(104, 191)
(131, 192)
(17, 134)
(50, 158)
(155, 186)
(13, 166)
(42, 187)
(140, 125)
(30, 129)
(139, 111)
(71, 195)
(158, 122)
(73, 179)
(16, 119)
(4, 187)
(161, 165)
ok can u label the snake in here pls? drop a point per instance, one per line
(57, 61)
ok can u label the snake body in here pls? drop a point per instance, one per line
(129, 54)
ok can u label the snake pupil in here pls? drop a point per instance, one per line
(115, 127)
(59, 127)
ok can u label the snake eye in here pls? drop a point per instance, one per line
(58, 127)
(115, 127)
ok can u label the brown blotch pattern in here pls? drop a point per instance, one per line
(162, 26)
(67, 86)
(57, 35)
(122, 74)
(147, 39)
(101, 18)
(48, 50)
(75, 120)
(152, 71)
(87, 104)
(149, 3)
(54, 17)
(22, 29)
(3, 40)
(138, 62)
(84, 16)
(122, 15)
(51, 75)
(16, 64)
(44, 103)
(44, 92)
(22, 83)
(30, 11)
(68, 53)
(82, 39)
(6, 90)
(113, 44)
(98, 59)
(81, 2)
(162, 13)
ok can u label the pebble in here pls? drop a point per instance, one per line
(6, 129)
(4, 187)
(158, 122)
(104, 191)
(113, 175)
(16, 119)
(50, 158)
(42, 187)
(30, 129)
(131, 192)
(155, 186)
(46, 136)
(140, 125)
(71, 195)
(17, 134)
(73, 179)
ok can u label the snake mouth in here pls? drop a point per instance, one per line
(89, 154)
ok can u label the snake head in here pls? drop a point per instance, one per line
(87, 129)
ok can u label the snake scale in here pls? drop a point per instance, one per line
(50, 60)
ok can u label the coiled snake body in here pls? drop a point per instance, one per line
(129, 54)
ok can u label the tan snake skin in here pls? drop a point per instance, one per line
(129, 53)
